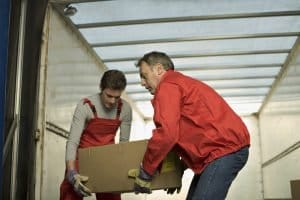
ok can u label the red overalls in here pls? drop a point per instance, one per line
(99, 131)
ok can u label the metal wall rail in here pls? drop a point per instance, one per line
(57, 130)
(9, 138)
(282, 154)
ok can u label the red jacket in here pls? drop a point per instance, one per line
(195, 121)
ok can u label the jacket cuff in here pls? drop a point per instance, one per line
(149, 169)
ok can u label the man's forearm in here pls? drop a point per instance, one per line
(70, 165)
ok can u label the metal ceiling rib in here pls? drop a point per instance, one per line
(220, 62)
(64, 2)
(237, 47)
(127, 10)
(234, 53)
(218, 67)
(213, 28)
(189, 18)
(137, 83)
(190, 39)
(220, 84)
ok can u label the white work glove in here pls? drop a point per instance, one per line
(78, 181)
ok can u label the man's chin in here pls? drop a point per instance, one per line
(109, 106)
(151, 92)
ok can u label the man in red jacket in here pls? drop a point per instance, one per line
(195, 122)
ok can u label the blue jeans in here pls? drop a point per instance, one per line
(214, 182)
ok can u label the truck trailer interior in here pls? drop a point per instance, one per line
(54, 53)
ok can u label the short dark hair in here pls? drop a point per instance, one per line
(113, 79)
(156, 57)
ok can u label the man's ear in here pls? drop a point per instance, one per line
(160, 69)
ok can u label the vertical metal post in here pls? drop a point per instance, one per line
(18, 97)
(41, 119)
(4, 27)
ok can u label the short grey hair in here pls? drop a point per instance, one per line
(155, 57)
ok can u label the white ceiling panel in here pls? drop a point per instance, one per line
(237, 47)
(218, 84)
(199, 47)
(232, 73)
(220, 74)
(198, 29)
(94, 12)
(210, 62)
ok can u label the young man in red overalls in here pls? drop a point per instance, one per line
(95, 123)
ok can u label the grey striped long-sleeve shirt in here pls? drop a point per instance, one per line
(83, 114)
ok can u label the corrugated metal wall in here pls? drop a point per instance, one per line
(279, 129)
(65, 60)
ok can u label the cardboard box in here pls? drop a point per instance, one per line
(295, 189)
(107, 167)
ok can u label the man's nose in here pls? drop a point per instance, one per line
(143, 82)
(112, 100)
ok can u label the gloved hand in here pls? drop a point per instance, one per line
(78, 181)
(142, 183)
(171, 191)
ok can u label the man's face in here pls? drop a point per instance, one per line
(149, 77)
(110, 97)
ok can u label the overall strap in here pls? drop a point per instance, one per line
(85, 100)
(119, 109)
